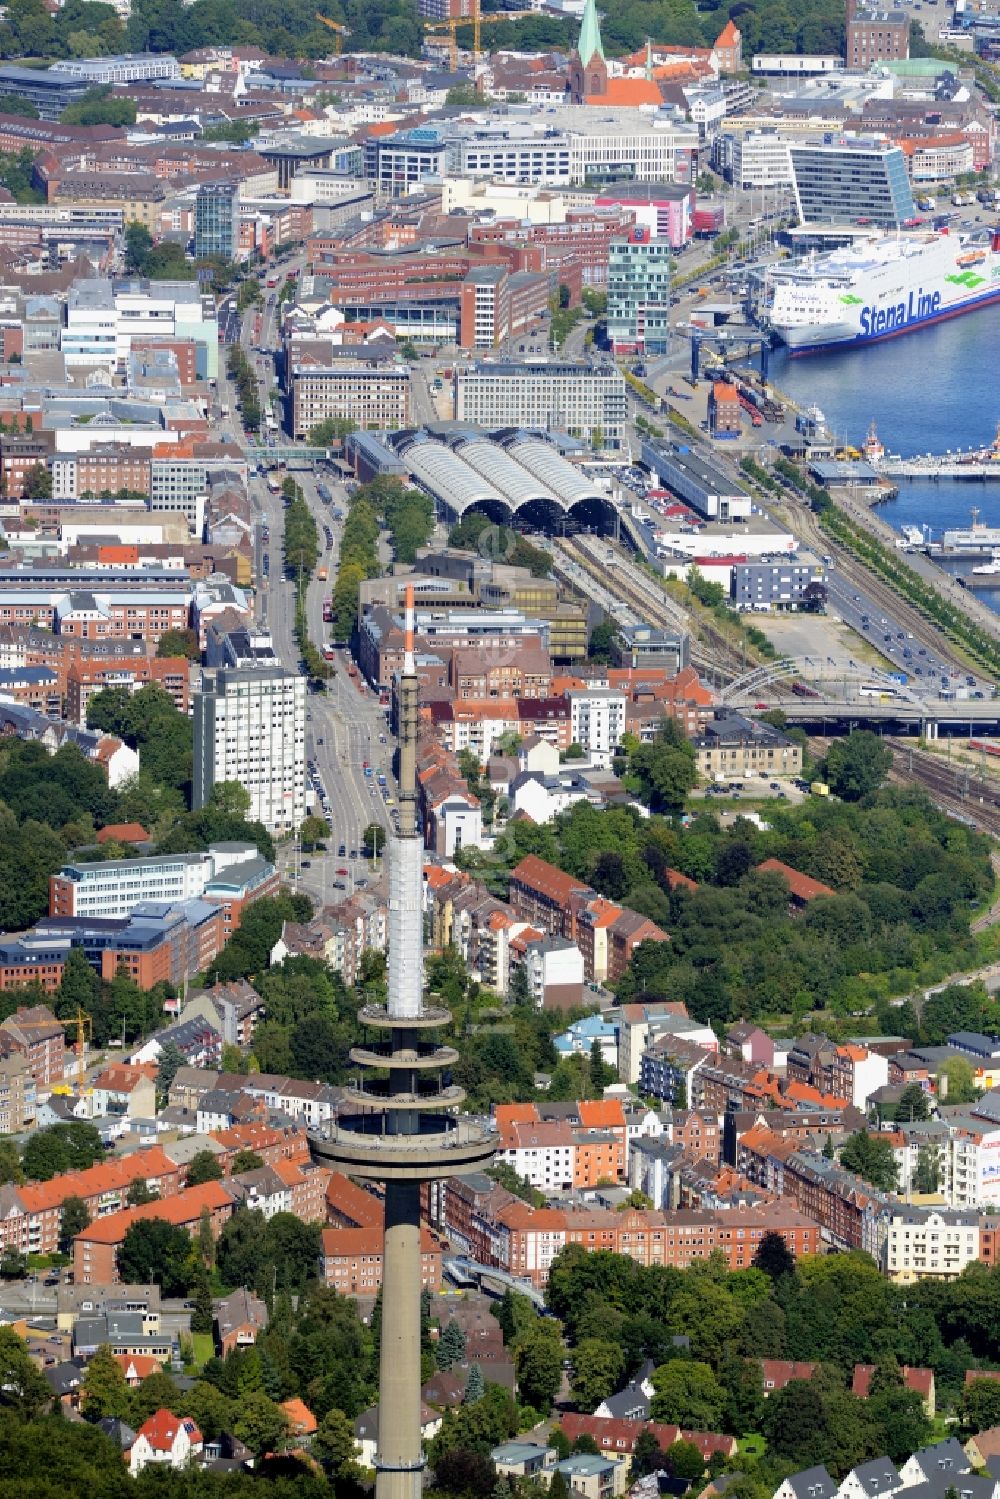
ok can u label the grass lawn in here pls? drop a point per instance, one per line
(752, 1445)
(204, 1348)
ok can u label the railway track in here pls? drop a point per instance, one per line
(617, 576)
(957, 788)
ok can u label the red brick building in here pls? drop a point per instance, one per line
(95, 1250)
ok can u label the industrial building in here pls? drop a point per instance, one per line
(706, 488)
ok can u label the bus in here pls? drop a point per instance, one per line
(327, 610)
(882, 690)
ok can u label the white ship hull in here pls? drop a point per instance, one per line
(888, 287)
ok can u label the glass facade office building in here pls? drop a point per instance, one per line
(639, 294)
(846, 182)
(217, 220)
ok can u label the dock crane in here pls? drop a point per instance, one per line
(338, 30)
(477, 20)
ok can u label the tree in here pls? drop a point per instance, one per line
(73, 1219)
(871, 1157)
(519, 986)
(647, 1456)
(170, 1062)
(686, 1461)
(687, 1394)
(99, 106)
(538, 1362)
(912, 1104)
(598, 1366)
(475, 1386)
(202, 1309)
(179, 643)
(558, 1487)
(104, 1391)
(138, 243)
(774, 1257)
(979, 1407)
(246, 1160)
(374, 839)
(312, 831)
(204, 1167)
(23, 1388)
(157, 1392)
(450, 1347)
(13, 1265)
(857, 766)
(262, 1424)
(139, 1193)
(957, 1082)
(156, 1251)
(333, 1446)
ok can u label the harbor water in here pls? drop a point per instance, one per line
(926, 392)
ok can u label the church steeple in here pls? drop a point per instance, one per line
(590, 35)
(588, 70)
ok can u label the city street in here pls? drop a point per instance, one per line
(344, 722)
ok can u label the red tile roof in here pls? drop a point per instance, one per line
(184, 1207)
(161, 1430)
(799, 885)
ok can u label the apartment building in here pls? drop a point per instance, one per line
(18, 1095)
(95, 1249)
(930, 1244)
(30, 1216)
(351, 1260)
(588, 400)
(85, 677)
(249, 726)
(597, 721)
(34, 1034)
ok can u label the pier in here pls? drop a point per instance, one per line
(979, 465)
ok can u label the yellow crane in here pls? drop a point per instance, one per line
(84, 1027)
(477, 20)
(339, 32)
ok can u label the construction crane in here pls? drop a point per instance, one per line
(84, 1027)
(476, 21)
(339, 32)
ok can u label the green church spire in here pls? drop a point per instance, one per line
(590, 35)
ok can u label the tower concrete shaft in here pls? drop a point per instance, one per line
(401, 1127)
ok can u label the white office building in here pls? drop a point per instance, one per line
(250, 727)
(103, 317)
(581, 398)
(115, 887)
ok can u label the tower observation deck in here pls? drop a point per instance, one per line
(399, 1123)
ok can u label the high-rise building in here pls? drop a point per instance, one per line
(217, 220)
(400, 1126)
(639, 294)
(851, 179)
(250, 727)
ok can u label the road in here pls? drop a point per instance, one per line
(345, 724)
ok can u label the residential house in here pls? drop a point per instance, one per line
(239, 1317)
(37, 1035)
(876, 1479)
(366, 1432)
(164, 1438)
(810, 1483)
(946, 1458)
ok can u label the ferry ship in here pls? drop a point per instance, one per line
(881, 288)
